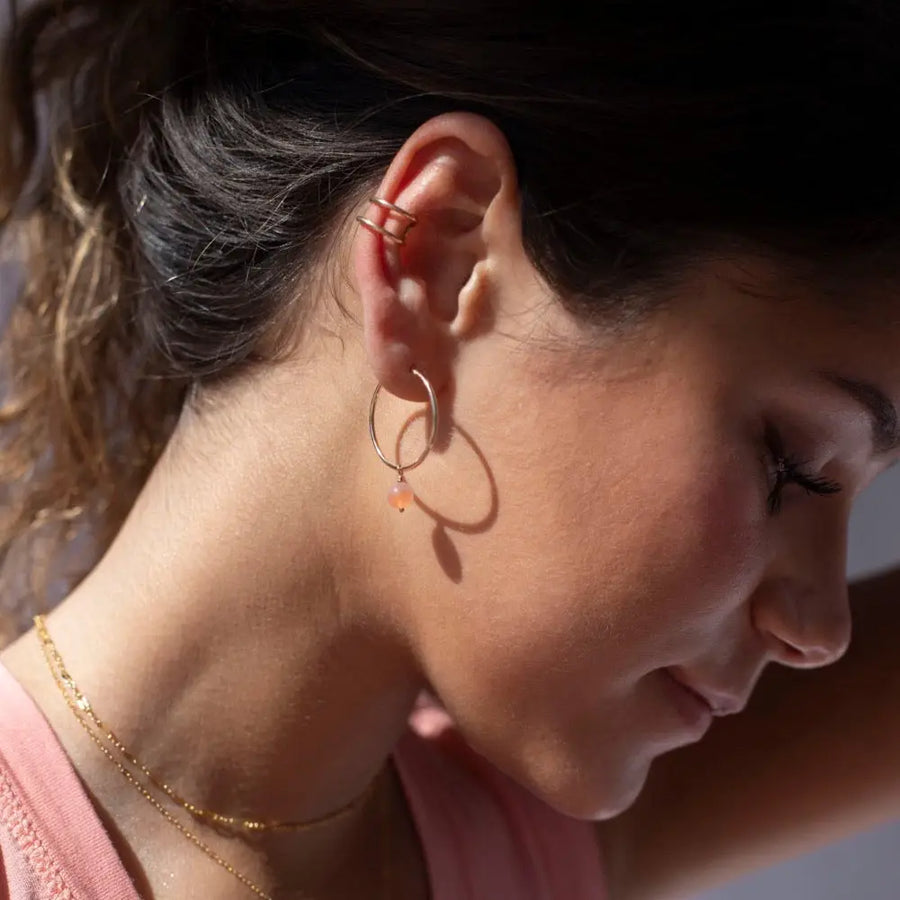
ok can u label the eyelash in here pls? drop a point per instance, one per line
(790, 470)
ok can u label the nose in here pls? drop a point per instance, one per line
(802, 607)
(803, 628)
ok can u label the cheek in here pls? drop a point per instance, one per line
(615, 559)
(702, 548)
(647, 567)
(721, 531)
(598, 589)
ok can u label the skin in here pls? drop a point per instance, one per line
(594, 511)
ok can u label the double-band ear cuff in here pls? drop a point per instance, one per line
(401, 495)
(398, 237)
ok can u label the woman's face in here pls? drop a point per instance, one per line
(615, 511)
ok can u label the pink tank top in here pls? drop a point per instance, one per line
(484, 837)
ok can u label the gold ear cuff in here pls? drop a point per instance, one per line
(398, 237)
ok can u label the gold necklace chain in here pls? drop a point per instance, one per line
(89, 721)
(213, 818)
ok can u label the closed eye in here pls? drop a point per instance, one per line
(785, 469)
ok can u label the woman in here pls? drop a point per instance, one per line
(616, 299)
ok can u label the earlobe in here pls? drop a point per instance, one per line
(422, 251)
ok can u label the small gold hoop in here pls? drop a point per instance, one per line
(398, 238)
(432, 400)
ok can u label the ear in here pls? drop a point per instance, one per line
(420, 298)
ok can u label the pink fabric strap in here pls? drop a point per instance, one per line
(51, 839)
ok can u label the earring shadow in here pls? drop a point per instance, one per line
(444, 548)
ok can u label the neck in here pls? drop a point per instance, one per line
(230, 637)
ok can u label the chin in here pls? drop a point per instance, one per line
(599, 795)
(620, 803)
(612, 804)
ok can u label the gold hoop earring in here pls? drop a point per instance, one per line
(401, 495)
(396, 237)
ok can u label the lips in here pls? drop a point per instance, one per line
(694, 711)
(720, 702)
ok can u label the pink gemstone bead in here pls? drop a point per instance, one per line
(400, 496)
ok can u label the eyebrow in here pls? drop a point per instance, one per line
(882, 412)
